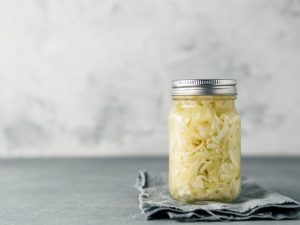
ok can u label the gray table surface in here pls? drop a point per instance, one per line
(100, 190)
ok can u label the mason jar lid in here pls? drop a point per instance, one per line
(204, 87)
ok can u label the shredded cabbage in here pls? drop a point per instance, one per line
(204, 162)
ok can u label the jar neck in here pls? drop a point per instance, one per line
(203, 97)
(219, 103)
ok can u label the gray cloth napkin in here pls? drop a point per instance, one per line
(254, 202)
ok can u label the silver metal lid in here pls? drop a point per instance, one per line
(204, 87)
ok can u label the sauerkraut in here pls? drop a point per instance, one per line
(204, 159)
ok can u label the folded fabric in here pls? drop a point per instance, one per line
(254, 202)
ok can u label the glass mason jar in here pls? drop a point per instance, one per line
(204, 141)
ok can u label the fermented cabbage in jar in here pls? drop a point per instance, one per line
(204, 145)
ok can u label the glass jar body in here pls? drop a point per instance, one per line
(204, 149)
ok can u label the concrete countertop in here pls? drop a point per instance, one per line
(100, 190)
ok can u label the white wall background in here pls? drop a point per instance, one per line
(88, 77)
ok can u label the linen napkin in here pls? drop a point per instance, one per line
(254, 202)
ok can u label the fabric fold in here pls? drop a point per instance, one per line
(254, 202)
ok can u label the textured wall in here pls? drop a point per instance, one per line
(93, 77)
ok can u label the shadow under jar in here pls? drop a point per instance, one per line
(204, 141)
